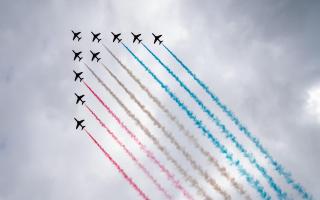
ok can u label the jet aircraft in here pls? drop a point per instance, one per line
(76, 35)
(77, 75)
(95, 36)
(95, 56)
(116, 37)
(77, 55)
(79, 123)
(136, 37)
(79, 98)
(157, 38)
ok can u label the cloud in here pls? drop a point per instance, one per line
(261, 58)
(313, 102)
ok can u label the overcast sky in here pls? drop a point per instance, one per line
(262, 58)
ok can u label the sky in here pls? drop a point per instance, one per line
(260, 57)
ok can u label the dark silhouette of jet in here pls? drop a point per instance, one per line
(79, 98)
(95, 36)
(116, 37)
(95, 56)
(76, 35)
(77, 76)
(157, 38)
(77, 55)
(79, 123)
(136, 37)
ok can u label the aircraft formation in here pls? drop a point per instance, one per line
(96, 38)
(79, 99)
(116, 37)
(76, 36)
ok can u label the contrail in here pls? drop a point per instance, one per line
(229, 135)
(120, 170)
(130, 154)
(172, 139)
(149, 154)
(254, 182)
(191, 138)
(277, 166)
(194, 183)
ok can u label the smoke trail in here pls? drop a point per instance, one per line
(281, 170)
(172, 139)
(191, 138)
(129, 153)
(186, 176)
(120, 170)
(143, 147)
(255, 183)
(224, 129)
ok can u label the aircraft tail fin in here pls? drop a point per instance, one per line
(139, 41)
(99, 40)
(83, 127)
(80, 58)
(83, 102)
(81, 79)
(98, 59)
(160, 42)
(119, 40)
(79, 38)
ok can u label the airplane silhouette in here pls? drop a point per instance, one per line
(116, 37)
(77, 76)
(136, 37)
(77, 55)
(94, 56)
(79, 123)
(95, 36)
(157, 38)
(76, 35)
(79, 98)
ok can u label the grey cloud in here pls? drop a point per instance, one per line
(270, 48)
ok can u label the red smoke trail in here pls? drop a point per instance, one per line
(136, 187)
(161, 189)
(143, 147)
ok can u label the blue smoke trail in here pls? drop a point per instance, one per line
(253, 182)
(223, 128)
(236, 121)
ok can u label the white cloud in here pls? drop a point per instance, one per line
(313, 102)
